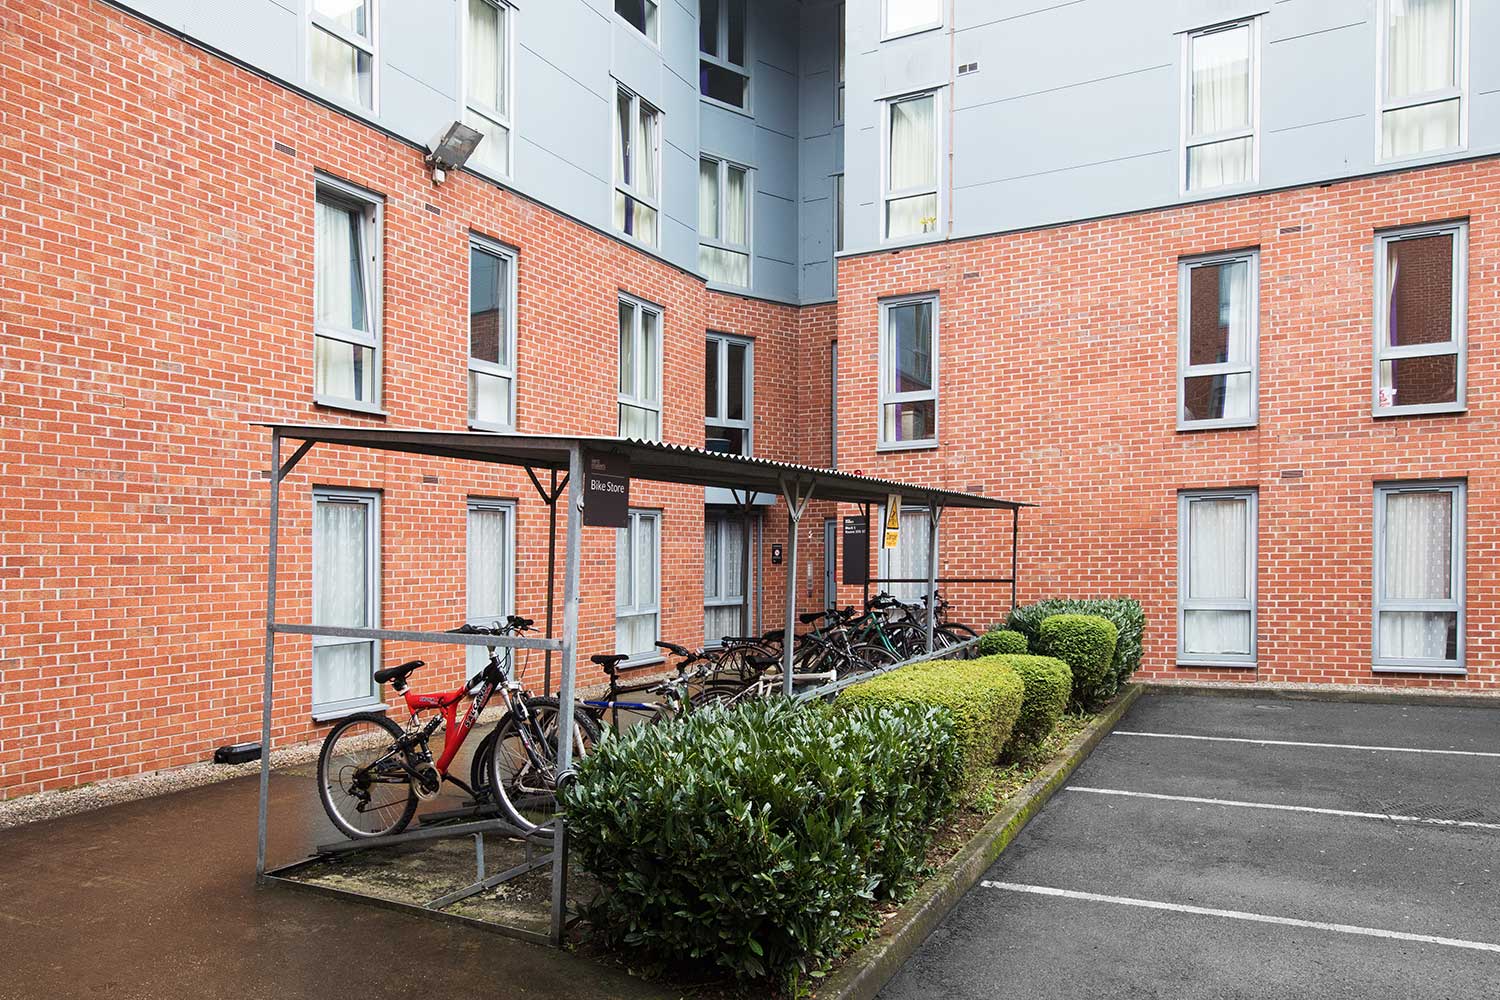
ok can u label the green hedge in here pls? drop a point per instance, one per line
(983, 695)
(756, 839)
(1127, 614)
(1086, 643)
(1049, 685)
(1002, 641)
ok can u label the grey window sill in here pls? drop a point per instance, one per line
(1456, 409)
(908, 446)
(1451, 670)
(340, 713)
(1201, 663)
(1193, 426)
(349, 406)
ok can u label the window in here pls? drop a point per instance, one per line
(1420, 320)
(341, 50)
(903, 17)
(728, 381)
(640, 15)
(1221, 91)
(637, 166)
(838, 93)
(1419, 577)
(640, 370)
(908, 371)
(723, 576)
(908, 560)
(346, 344)
(637, 586)
(487, 79)
(346, 594)
(492, 335)
(724, 200)
(1218, 307)
(1216, 578)
(1425, 75)
(838, 213)
(911, 166)
(490, 568)
(723, 67)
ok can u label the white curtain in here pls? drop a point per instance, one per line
(339, 283)
(636, 594)
(913, 165)
(908, 560)
(708, 198)
(1418, 566)
(1221, 102)
(623, 136)
(1234, 317)
(645, 151)
(723, 577)
(1218, 537)
(1421, 59)
(907, 15)
(486, 55)
(341, 667)
(488, 587)
(735, 209)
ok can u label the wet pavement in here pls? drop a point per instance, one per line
(156, 900)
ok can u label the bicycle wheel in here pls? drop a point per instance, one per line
(953, 634)
(870, 656)
(523, 761)
(362, 784)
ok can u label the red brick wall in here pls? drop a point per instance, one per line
(1059, 354)
(156, 298)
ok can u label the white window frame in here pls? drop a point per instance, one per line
(1455, 605)
(723, 61)
(479, 366)
(654, 39)
(721, 243)
(636, 608)
(719, 521)
(641, 306)
(886, 398)
(1384, 104)
(723, 340)
(1249, 603)
(629, 189)
(503, 117)
(938, 189)
(372, 221)
(1186, 370)
(1457, 345)
(478, 656)
(1188, 141)
(370, 499)
(366, 44)
(887, 35)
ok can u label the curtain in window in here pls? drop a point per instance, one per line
(341, 667)
(708, 198)
(486, 55)
(488, 600)
(340, 282)
(1218, 543)
(1221, 102)
(723, 573)
(1422, 59)
(735, 209)
(908, 560)
(907, 15)
(1234, 319)
(913, 165)
(1418, 567)
(636, 594)
(645, 180)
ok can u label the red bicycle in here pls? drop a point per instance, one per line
(372, 773)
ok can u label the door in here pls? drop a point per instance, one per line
(830, 562)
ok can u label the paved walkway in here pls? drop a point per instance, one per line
(1257, 849)
(156, 900)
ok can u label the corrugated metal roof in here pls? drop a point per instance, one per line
(653, 460)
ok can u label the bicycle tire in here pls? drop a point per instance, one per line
(956, 634)
(866, 657)
(526, 790)
(395, 813)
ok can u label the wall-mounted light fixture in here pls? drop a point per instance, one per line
(451, 149)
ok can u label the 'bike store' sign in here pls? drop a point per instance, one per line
(606, 490)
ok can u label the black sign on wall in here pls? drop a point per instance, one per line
(606, 490)
(856, 550)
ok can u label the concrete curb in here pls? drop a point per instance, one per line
(872, 966)
(1324, 692)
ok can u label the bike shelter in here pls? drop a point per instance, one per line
(561, 460)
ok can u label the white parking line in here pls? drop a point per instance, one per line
(1299, 743)
(1395, 817)
(1260, 918)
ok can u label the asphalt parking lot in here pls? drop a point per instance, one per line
(1222, 847)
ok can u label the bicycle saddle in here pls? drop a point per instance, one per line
(609, 661)
(397, 674)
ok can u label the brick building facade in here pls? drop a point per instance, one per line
(156, 299)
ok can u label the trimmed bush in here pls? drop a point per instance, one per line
(756, 839)
(984, 697)
(1086, 643)
(1127, 614)
(1049, 685)
(1002, 642)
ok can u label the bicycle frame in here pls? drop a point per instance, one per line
(447, 704)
